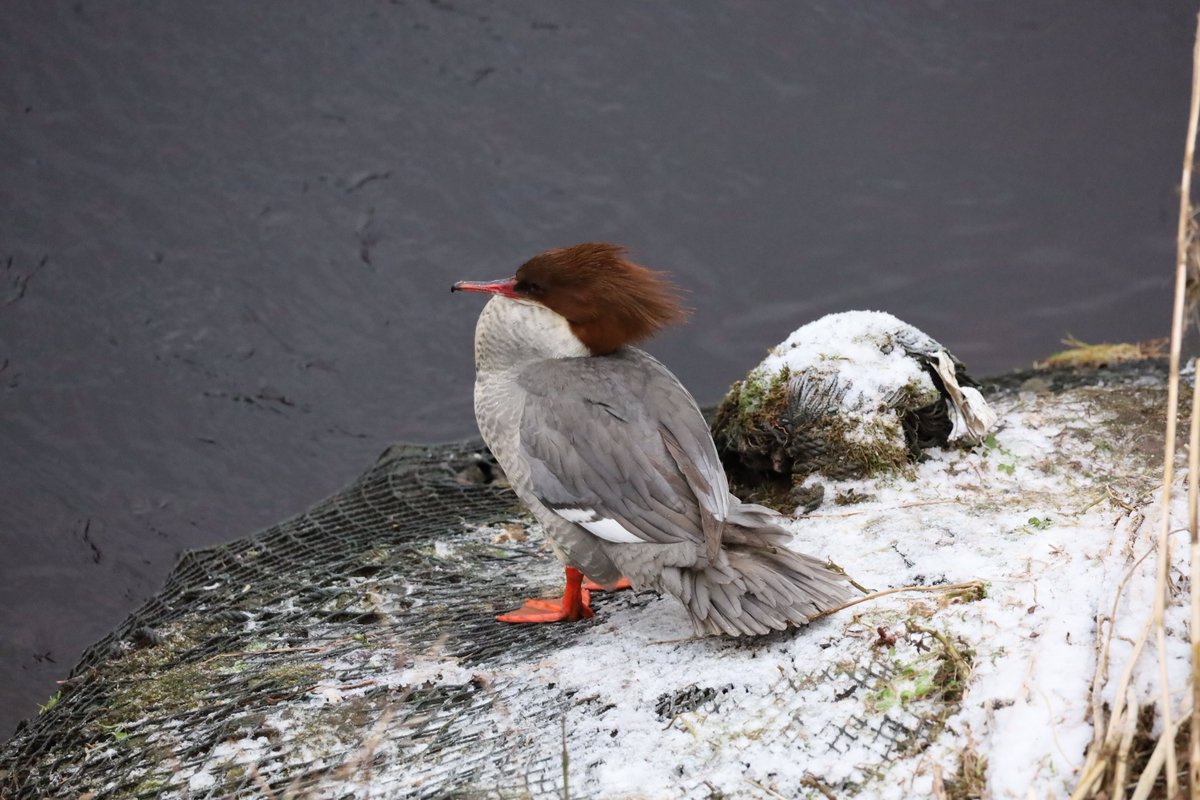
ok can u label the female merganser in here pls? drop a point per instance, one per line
(612, 455)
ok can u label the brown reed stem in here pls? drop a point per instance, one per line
(1182, 245)
(1164, 541)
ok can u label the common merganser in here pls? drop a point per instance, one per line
(611, 454)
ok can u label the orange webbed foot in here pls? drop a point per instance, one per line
(574, 605)
(592, 586)
(548, 609)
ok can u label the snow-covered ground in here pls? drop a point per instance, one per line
(984, 689)
(1028, 513)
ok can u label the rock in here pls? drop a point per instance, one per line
(850, 395)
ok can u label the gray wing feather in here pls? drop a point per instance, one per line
(620, 436)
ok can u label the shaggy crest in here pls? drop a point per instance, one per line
(608, 300)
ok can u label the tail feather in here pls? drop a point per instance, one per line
(758, 585)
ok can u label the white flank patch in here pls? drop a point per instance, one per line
(611, 531)
(607, 529)
(578, 515)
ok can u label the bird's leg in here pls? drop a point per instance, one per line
(575, 604)
(592, 586)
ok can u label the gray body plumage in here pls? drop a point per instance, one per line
(613, 457)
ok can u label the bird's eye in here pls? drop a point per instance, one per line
(528, 287)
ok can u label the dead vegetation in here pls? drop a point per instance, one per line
(1095, 356)
(1141, 747)
(773, 435)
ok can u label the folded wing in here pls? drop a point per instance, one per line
(617, 446)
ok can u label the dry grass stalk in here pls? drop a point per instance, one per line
(1183, 252)
(1164, 751)
(1121, 770)
(939, 784)
(967, 590)
(1084, 355)
(361, 759)
(1167, 741)
(1111, 746)
(768, 791)
(1122, 717)
(813, 782)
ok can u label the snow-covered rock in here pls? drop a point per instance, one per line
(849, 395)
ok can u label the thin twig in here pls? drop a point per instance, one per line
(766, 789)
(277, 651)
(566, 761)
(1130, 728)
(978, 586)
(939, 785)
(1122, 722)
(813, 782)
(1105, 741)
(841, 571)
(878, 510)
(1102, 666)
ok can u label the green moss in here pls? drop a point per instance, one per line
(334, 726)
(770, 445)
(169, 692)
(50, 703)
(117, 732)
(936, 679)
(148, 678)
(761, 392)
(917, 394)
(186, 687)
(870, 449)
(909, 684)
(233, 778)
(177, 674)
(850, 497)
(286, 677)
(151, 786)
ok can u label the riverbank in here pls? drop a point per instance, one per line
(352, 650)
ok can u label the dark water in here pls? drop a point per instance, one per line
(227, 229)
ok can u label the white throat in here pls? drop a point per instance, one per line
(511, 332)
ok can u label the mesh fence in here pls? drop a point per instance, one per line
(220, 686)
(352, 652)
(366, 577)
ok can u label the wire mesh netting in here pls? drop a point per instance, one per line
(364, 582)
(352, 652)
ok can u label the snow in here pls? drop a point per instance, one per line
(1002, 514)
(1019, 514)
(854, 702)
(201, 781)
(860, 349)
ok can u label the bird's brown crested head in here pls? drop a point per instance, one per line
(608, 300)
